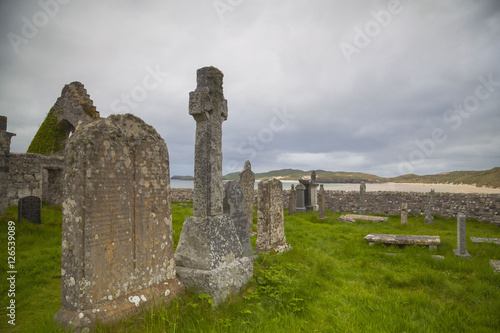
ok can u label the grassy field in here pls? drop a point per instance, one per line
(332, 281)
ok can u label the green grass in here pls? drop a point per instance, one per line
(332, 281)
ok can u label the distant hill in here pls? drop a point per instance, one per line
(488, 178)
(182, 177)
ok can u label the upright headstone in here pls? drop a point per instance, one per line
(30, 209)
(404, 213)
(362, 191)
(247, 182)
(321, 200)
(311, 192)
(271, 223)
(117, 246)
(460, 251)
(429, 219)
(234, 207)
(292, 201)
(301, 201)
(209, 256)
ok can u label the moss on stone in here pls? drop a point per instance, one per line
(50, 136)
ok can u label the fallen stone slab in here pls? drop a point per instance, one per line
(431, 241)
(478, 240)
(351, 218)
(496, 265)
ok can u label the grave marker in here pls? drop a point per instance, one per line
(404, 213)
(271, 224)
(429, 219)
(292, 201)
(30, 209)
(247, 182)
(321, 201)
(460, 251)
(117, 246)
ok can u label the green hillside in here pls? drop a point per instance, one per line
(488, 178)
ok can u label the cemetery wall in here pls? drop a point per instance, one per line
(483, 207)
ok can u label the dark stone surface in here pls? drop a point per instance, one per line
(30, 208)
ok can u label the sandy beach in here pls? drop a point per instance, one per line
(404, 187)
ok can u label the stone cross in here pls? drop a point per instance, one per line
(271, 224)
(292, 201)
(301, 198)
(210, 257)
(362, 190)
(429, 219)
(247, 182)
(209, 109)
(321, 200)
(460, 251)
(404, 213)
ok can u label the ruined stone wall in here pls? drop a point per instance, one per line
(29, 174)
(484, 207)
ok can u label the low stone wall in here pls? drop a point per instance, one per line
(34, 174)
(483, 207)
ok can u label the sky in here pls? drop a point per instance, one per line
(383, 87)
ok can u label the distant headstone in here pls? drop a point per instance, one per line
(301, 201)
(233, 206)
(321, 201)
(429, 219)
(292, 201)
(247, 182)
(404, 213)
(496, 265)
(30, 209)
(117, 246)
(210, 257)
(362, 191)
(271, 224)
(460, 251)
(311, 192)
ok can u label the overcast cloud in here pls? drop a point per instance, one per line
(384, 87)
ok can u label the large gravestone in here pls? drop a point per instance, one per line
(30, 209)
(292, 201)
(271, 224)
(117, 247)
(321, 201)
(233, 205)
(247, 182)
(209, 256)
(429, 219)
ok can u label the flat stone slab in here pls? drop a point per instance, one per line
(431, 241)
(496, 265)
(351, 218)
(479, 240)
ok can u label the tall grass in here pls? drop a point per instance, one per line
(332, 281)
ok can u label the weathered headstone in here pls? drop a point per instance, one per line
(271, 223)
(209, 255)
(460, 251)
(362, 191)
(311, 192)
(301, 201)
(321, 201)
(292, 201)
(429, 219)
(247, 182)
(117, 247)
(233, 205)
(404, 213)
(30, 209)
